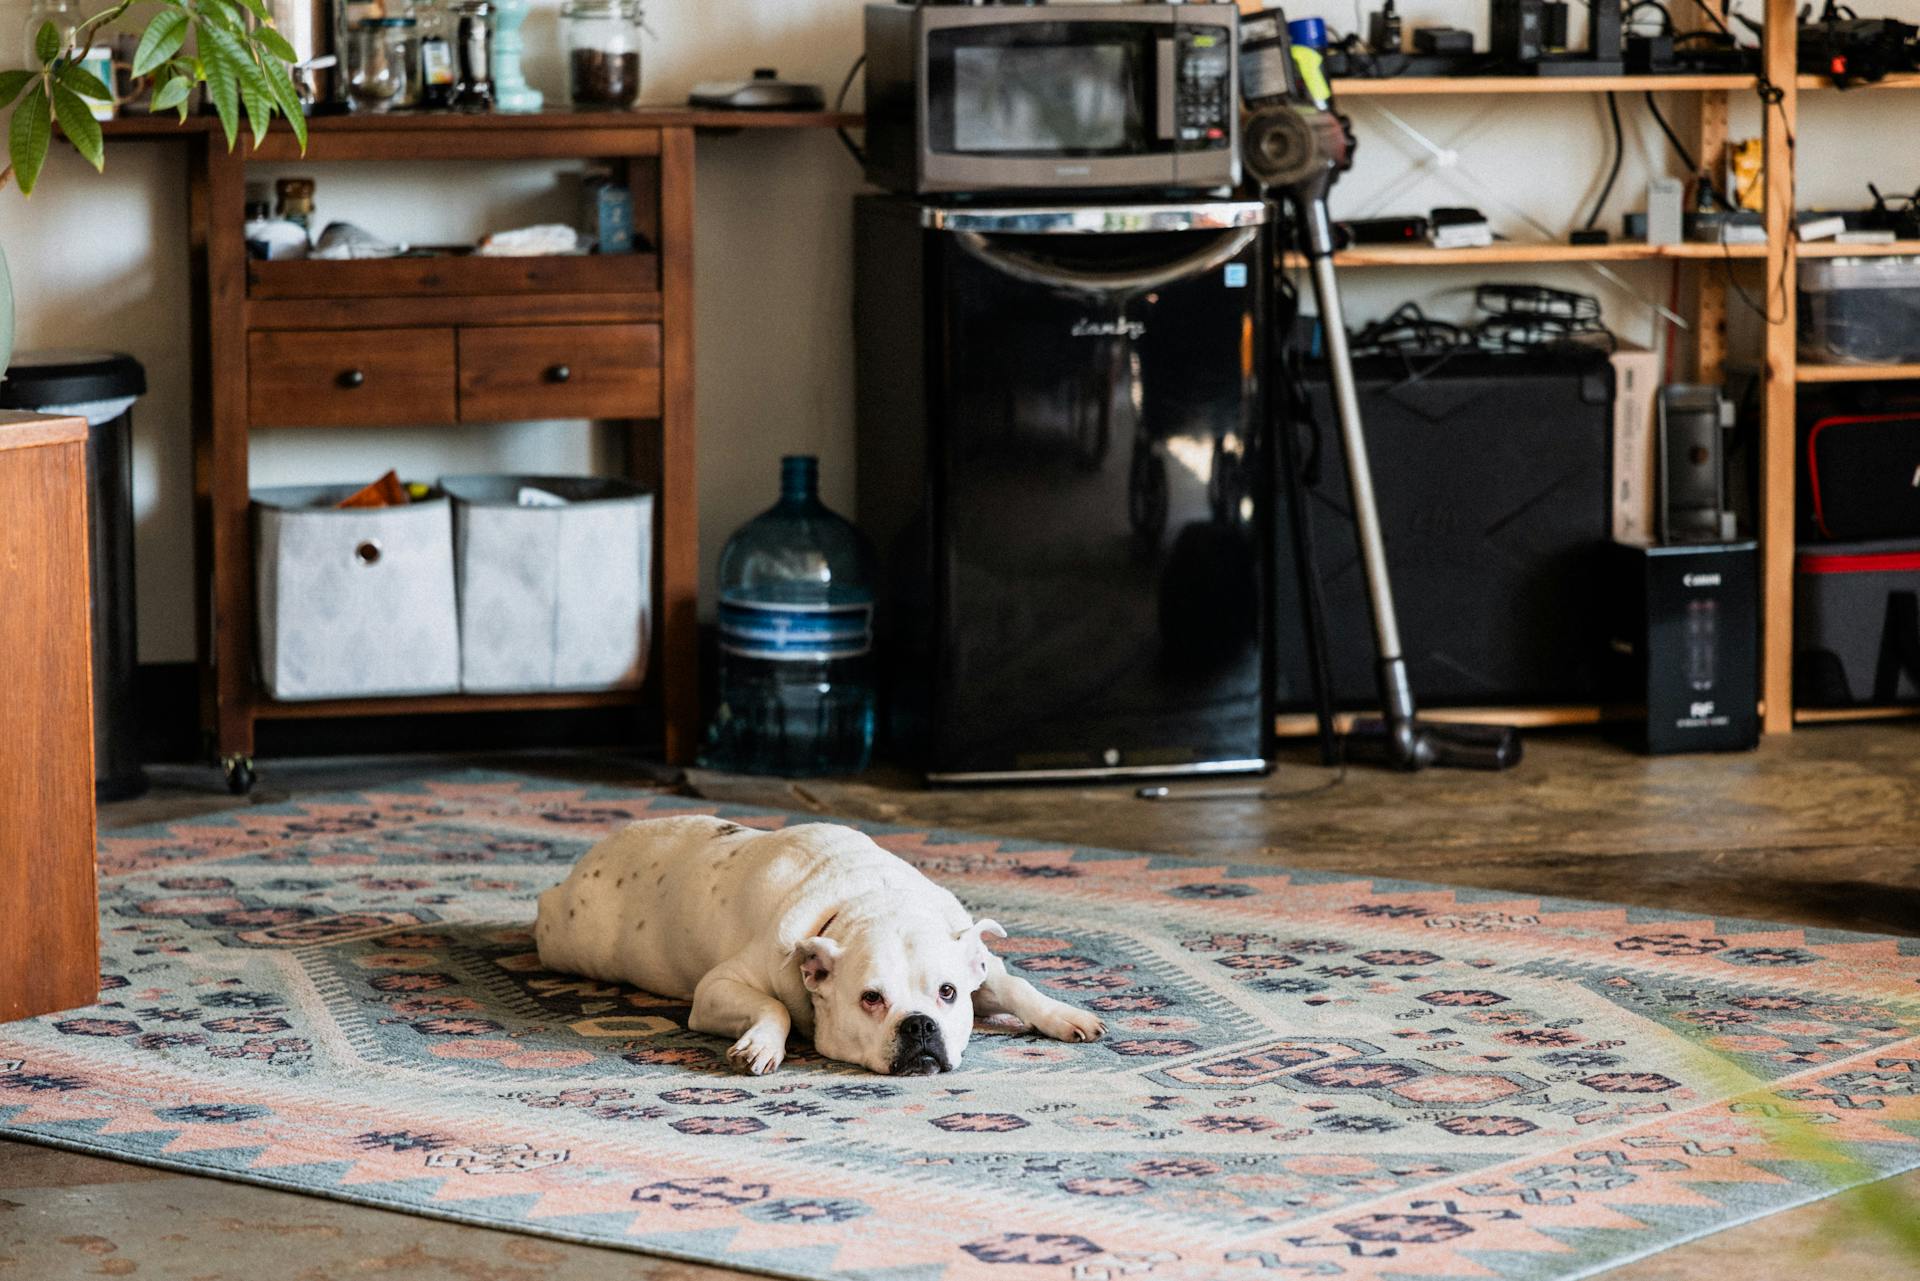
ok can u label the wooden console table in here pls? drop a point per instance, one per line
(49, 918)
(447, 341)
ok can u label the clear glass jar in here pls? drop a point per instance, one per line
(380, 57)
(603, 52)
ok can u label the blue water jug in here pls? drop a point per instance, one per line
(796, 639)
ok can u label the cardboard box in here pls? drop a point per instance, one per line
(1636, 445)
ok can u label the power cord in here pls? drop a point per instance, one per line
(839, 104)
(1619, 154)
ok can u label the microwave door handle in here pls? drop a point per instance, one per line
(1167, 77)
(1218, 252)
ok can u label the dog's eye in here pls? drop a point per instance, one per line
(948, 992)
(872, 999)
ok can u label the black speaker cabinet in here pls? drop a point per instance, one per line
(1492, 474)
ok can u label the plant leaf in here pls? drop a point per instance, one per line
(172, 94)
(163, 38)
(259, 110)
(256, 92)
(223, 87)
(260, 10)
(11, 83)
(28, 136)
(46, 43)
(83, 82)
(288, 99)
(76, 121)
(276, 44)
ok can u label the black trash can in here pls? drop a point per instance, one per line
(101, 387)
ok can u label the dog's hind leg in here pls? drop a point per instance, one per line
(725, 1006)
(1004, 993)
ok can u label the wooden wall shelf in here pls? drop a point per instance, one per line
(1507, 253)
(1472, 86)
(1833, 249)
(1856, 373)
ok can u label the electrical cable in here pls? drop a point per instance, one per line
(840, 102)
(1679, 148)
(1666, 15)
(1619, 154)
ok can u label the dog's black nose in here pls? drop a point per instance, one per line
(917, 1047)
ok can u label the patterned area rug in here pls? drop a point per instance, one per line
(1306, 1075)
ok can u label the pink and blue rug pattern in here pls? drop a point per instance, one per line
(1306, 1075)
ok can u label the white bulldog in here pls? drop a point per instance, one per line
(813, 929)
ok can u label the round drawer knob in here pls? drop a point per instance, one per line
(559, 374)
(352, 378)
(367, 553)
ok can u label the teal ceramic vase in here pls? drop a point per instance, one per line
(511, 92)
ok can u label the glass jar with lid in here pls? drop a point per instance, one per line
(603, 52)
(380, 62)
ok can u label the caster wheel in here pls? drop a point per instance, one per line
(240, 776)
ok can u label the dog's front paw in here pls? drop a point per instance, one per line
(760, 1051)
(1064, 1023)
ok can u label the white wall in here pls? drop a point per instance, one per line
(101, 262)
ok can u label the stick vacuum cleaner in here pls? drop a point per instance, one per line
(1296, 147)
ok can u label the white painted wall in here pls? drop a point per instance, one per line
(101, 261)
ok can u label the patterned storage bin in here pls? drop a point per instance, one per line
(552, 597)
(354, 602)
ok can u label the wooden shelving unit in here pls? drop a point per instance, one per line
(448, 341)
(1509, 253)
(1446, 86)
(1810, 373)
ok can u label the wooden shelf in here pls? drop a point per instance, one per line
(1846, 715)
(1440, 86)
(1304, 725)
(140, 124)
(1515, 252)
(1898, 80)
(1855, 373)
(433, 704)
(454, 274)
(1833, 249)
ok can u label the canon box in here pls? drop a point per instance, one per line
(1683, 671)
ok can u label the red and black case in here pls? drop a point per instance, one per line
(1863, 475)
(1856, 624)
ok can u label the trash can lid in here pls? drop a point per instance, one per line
(37, 379)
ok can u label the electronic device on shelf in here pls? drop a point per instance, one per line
(1530, 37)
(999, 99)
(1855, 50)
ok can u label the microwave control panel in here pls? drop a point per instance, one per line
(1205, 106)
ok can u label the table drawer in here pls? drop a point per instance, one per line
(350, 378)
(514, 373)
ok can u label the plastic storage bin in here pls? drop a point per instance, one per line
(1860, 311)
(356, 602)
(1856, 624)
(552, 597)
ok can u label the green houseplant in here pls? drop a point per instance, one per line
(235, 51)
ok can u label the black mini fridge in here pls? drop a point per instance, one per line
(1061, 466)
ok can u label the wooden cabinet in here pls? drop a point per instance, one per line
(49, 917)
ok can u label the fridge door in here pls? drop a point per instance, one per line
(1101, 573)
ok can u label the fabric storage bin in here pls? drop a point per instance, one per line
(552, 597)
(1856, 624)
(354, 602)
(1860, 311)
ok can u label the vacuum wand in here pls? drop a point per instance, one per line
(1400, 739)
(1297, 146)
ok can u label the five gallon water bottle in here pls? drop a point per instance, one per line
(796, 631)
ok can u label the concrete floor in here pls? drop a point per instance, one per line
(1819, 829)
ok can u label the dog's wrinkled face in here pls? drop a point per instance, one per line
(895, 995)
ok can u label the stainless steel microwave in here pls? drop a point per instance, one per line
(1052, 98)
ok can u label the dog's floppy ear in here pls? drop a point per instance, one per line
(817, 957)
(973, 938)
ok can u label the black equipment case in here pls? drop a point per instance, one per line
(1493, 475)
(1856, 624)
(1862, 475)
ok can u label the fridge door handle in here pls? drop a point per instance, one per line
(1166, 88)
(1034, 269)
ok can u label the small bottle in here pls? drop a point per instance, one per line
(473, 45)
(436, 56)
(295, 196)
(796, 640)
